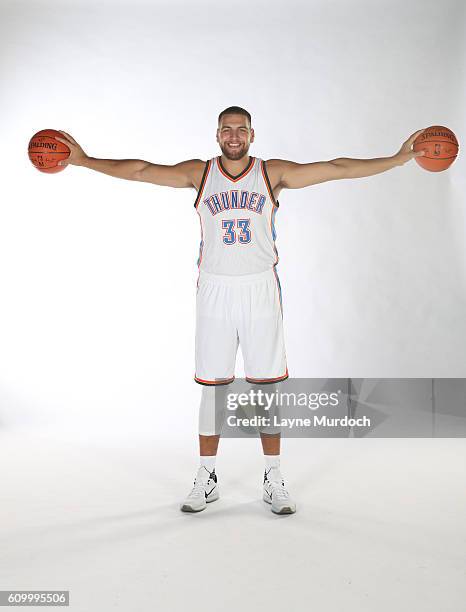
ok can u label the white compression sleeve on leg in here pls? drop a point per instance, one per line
(273, 413)
(212, 410)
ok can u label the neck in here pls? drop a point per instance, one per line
(235, 166)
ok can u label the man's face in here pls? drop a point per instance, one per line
(234, 136)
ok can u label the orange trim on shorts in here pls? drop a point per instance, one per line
(213, 383)
(268, 380)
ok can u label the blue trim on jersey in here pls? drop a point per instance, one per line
(201, 246)
(274, 233)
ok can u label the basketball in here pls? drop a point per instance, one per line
(45, 152)
(440, 146)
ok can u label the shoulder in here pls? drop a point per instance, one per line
(275, 169)
(194, 169)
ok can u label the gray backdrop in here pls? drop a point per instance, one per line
(98, 274)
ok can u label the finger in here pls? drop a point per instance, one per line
(413, 137)
(65, 140)
(68, 136)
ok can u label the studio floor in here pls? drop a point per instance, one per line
(380, 524)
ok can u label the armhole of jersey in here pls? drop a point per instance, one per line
(267, 182)
(201, 186)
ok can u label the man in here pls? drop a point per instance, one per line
(238, 293)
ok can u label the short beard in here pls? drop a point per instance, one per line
(235, 155)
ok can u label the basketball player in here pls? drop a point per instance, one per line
(238, 292)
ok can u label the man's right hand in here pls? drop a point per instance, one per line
(77, 155)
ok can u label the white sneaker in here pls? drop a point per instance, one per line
(203, 492)
(276, 495)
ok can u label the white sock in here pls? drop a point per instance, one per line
(272, 467)
(272, 461)
(208, 462)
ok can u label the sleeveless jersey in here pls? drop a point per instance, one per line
(237, 219)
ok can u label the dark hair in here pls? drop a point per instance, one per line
(235, 110)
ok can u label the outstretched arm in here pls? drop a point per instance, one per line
(183, 174)
(291, 175)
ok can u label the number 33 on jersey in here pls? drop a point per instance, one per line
(237, 219)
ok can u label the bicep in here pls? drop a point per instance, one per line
(182, 174)
(293, 175)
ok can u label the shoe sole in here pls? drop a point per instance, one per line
(187, 508)
(284, 510)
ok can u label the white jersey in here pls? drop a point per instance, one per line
(237, 220)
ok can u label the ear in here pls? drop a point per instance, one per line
(252, 134)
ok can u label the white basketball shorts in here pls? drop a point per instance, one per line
(239, 310)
